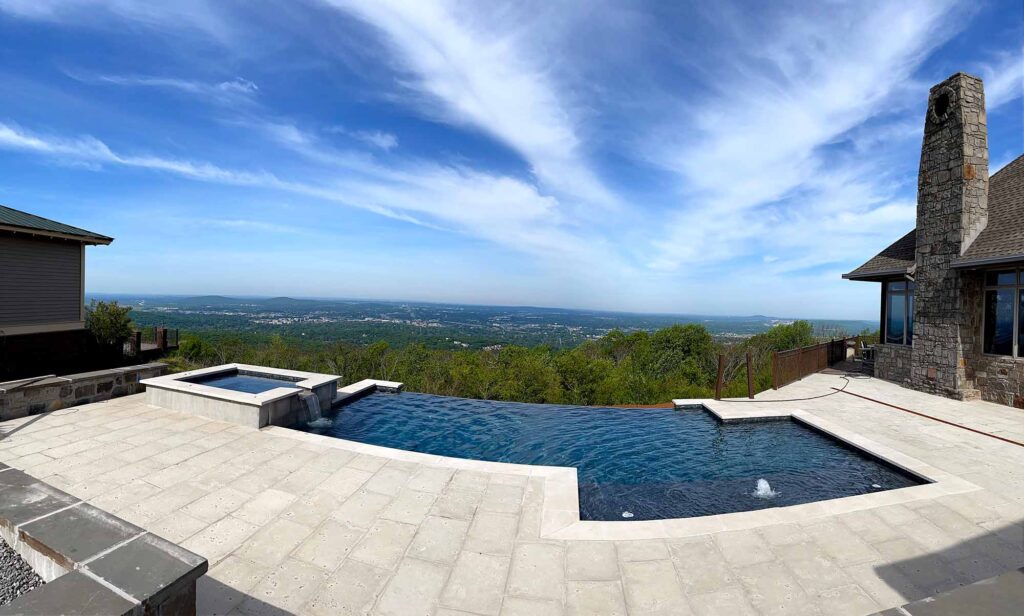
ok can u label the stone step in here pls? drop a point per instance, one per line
(970, 393)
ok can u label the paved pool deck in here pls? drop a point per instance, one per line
(297, 524)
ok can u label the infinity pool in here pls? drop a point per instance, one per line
(632, 464)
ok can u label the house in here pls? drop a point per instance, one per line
(952, 292)
(42, 292)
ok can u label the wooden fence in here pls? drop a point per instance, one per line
(154, 339)
(795, 364)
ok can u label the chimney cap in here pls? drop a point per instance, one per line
(954, 76)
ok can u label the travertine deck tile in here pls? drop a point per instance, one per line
(329, 544)
(384, 544)
(538, 570)
(729, 601)
(414, 589)
(591, 560)
(439, 539)
(477, 583)
(651, 587)
(595, 599)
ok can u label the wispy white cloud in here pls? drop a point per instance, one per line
(376, 138)
(485, 75)
(244, 224)
(495, 208)
(198, 15)
(751, 170)
(229, 92)
(1004, 79)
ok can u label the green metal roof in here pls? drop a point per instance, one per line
(17, 220)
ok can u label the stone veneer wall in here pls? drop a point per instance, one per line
(53, 393)
(892, 363)
(1000, 379)
(952, 208)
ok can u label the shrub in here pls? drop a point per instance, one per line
(108, 322)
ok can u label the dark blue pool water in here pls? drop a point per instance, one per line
(246, 383)
(652, 463)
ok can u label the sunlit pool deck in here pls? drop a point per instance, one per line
(304, 524)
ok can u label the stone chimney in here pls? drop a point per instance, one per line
(952, 209)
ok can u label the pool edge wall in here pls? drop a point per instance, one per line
(252, 415)
(278, 407)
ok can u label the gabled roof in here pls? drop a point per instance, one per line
(896, 260)
(1001, 241)
(23, 222)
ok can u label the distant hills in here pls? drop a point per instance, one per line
(435, 325)
(285, 302)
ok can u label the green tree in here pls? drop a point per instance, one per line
(108, 322)
(581, 375)
(198, 351)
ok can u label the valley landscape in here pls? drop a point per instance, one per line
(436, 326)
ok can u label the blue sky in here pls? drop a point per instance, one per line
(730, 158)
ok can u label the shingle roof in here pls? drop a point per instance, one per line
(16, 220)
(1002, 240)
(895, 260)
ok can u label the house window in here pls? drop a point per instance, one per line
(899, 312)
(1004, 313)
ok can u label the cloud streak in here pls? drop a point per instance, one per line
(197, 15)
(469, 72)
(752, 170)
(499, 209)
(230, 92)
(379, 139)
(1004, 80)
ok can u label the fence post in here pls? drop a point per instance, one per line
(775, 369)
(721, 375)
(161, 338)
(750, 376)
(136, 343)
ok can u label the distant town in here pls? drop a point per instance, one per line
(436, 325)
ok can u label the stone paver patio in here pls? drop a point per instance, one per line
(295, 526)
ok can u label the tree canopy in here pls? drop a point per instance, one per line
(619, 368)
(108, 322)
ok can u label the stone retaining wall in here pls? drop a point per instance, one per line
(31, 397)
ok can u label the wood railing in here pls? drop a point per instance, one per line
(151, 339)
(723, 362)
(795, 364)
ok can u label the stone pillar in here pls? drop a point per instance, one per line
(161, 338)
(952, 209)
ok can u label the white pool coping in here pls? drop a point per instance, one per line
(560, 516)
(177, 382)
(364, 387)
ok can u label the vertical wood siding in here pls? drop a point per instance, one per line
(40, 281)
